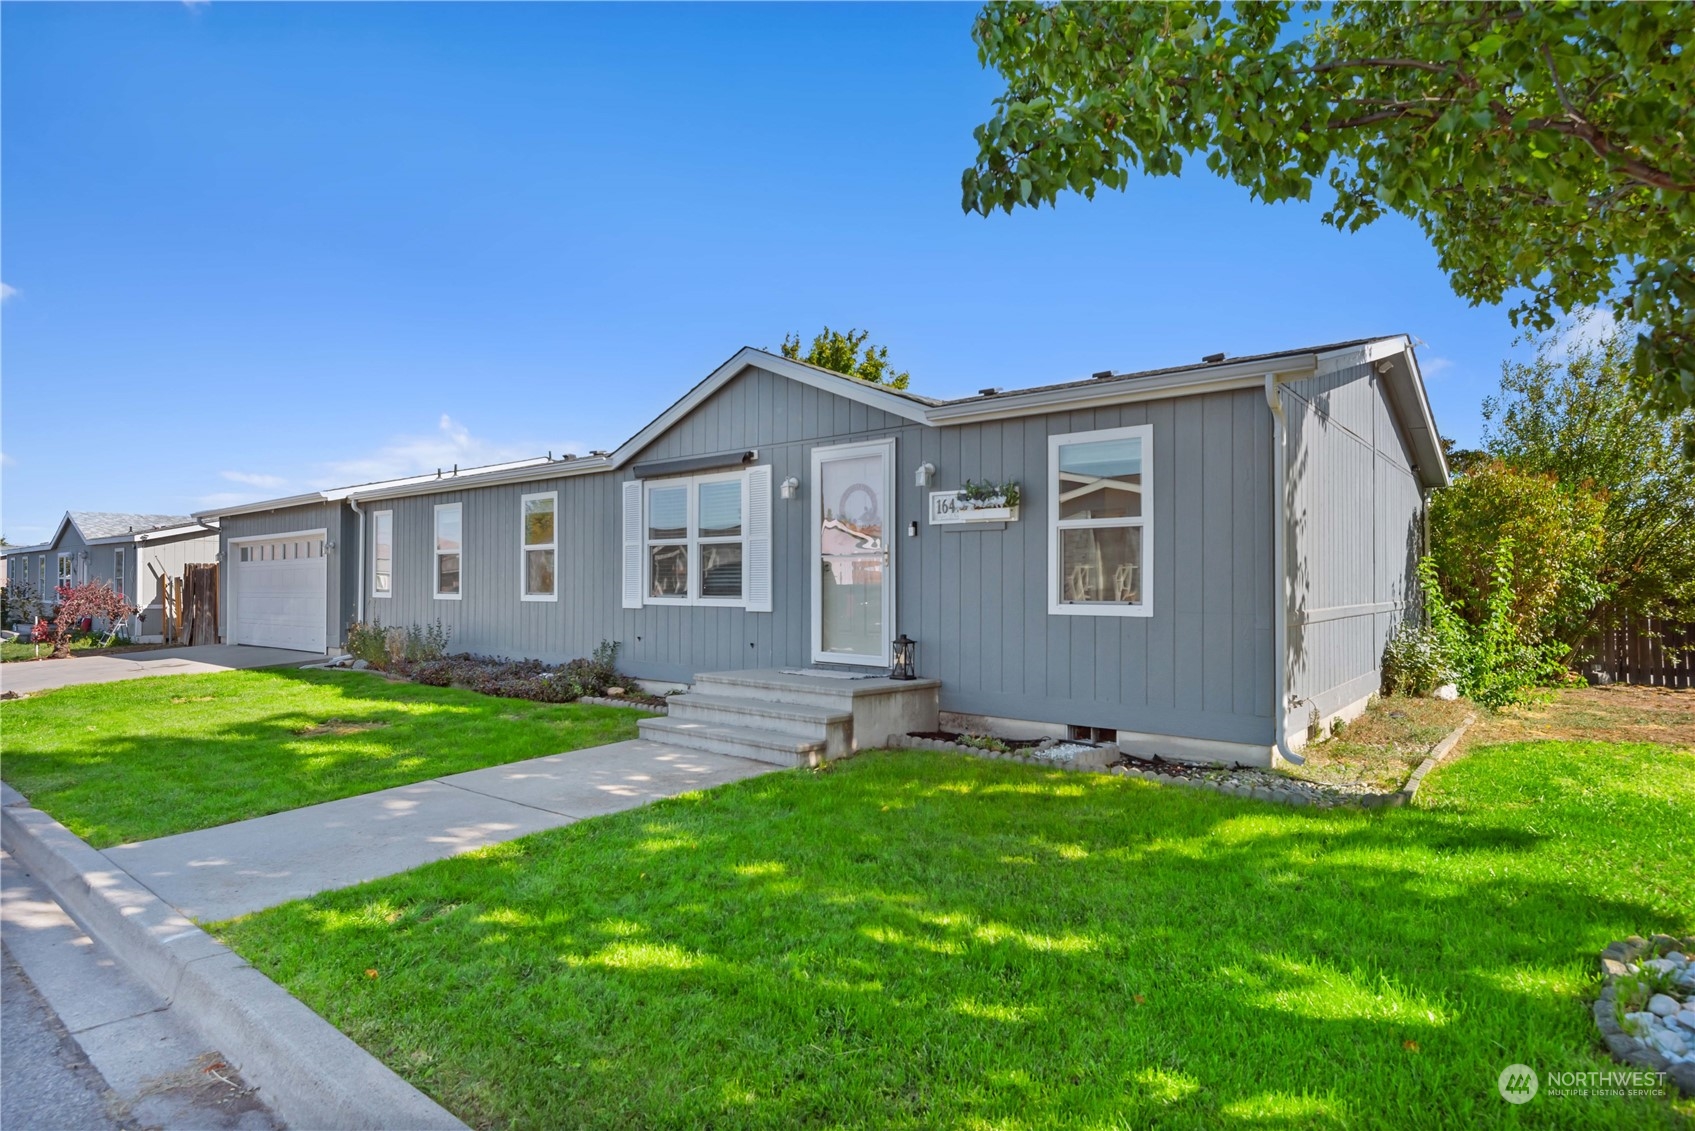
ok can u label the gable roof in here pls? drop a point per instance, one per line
(1113, 388)
(95, 525)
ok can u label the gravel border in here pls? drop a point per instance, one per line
(1264, 786)
(1619, 961)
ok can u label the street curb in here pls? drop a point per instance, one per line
(307, 1071)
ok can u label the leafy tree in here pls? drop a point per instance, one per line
(1540, 146)
(89, 601)
(1570, 413)
(841, 352)
(1555, 580)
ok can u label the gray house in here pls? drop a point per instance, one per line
(135, 552)
(1190, 560)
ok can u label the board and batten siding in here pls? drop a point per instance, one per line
(1354, 534)
(974, 599)
(340, 572)
(150, 562)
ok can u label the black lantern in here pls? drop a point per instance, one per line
(905, 647)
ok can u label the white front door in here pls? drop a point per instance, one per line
(280, 598)
(853, 578)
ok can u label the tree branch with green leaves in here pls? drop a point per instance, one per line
(1544, 149)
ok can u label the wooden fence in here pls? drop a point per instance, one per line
(191, 606)
(1644, 650)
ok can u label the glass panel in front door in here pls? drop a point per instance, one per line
(854, 553)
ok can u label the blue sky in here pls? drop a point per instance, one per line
(253, 249)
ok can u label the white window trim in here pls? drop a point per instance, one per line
(376, 523)
(692, 540)
(118, 564)
(63, 576)
(435, 557)
(524, 549)
(1056, 570)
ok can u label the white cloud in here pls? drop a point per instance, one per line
(451, 443)
(1432, 365)
(254, 479)
(1590, 326)
(7, 291)
(228, 499)
(6, 460)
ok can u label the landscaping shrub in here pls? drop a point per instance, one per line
(365, 642)
(90, 601)
(396, 649)
(1496, 662)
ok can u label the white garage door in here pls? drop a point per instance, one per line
(280, 595)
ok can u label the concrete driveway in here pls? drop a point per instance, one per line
(25, 676)
(219, 873)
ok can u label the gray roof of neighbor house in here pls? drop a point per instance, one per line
(112, 524)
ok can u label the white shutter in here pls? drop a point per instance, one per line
(759, 539)
(633, 544)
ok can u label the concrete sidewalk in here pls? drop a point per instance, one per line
(89, 1045)
(219, 873)
(26, 676)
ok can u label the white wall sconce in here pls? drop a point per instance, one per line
(790, 487)
(926, 474)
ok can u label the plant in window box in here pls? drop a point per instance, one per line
(989, 495)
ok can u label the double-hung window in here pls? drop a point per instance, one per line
(382, 554)
(450, 521)
(118, 570)
(539, 547)
(696, 540)
(1099, 508)
(66, 565)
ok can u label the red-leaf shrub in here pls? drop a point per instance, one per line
(78, 603)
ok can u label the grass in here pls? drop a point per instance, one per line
(15, 650)
(145, 758)
(921, 940)
(1384, 746)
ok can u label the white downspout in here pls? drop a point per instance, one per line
(1280, 570)
(359, 583)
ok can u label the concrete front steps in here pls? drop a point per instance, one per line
(793, 718)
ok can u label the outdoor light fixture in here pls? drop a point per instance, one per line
(905, 649)
(791, 487)
(926, 474)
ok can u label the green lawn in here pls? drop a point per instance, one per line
(144, 758)
(13, 650)
(926, 940)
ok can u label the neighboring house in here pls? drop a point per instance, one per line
(135, 552)
(1202, 558)
(289, 577)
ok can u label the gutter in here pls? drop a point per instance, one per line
(359, 578)
(1280, 571)
(1118, 390)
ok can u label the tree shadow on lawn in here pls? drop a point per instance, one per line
(913, 940)
(208, 750)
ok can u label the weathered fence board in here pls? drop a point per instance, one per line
(1644, 650)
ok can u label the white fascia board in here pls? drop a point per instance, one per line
(313, 498)
(747, 357)
(1427, 421)
(1358, 355)
(151, 535)
(1112, 391)
(530, 473)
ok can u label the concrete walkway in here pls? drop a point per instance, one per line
(25, 676)
(219, 873)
